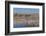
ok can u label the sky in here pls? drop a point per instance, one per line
(25, 10)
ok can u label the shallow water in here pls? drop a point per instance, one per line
(19, 25)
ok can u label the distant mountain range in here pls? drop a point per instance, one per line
(26, 13)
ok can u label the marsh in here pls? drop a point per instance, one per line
(26, 18)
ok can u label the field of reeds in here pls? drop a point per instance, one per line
(26, 20)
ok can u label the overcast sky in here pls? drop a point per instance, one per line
(25, 10)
